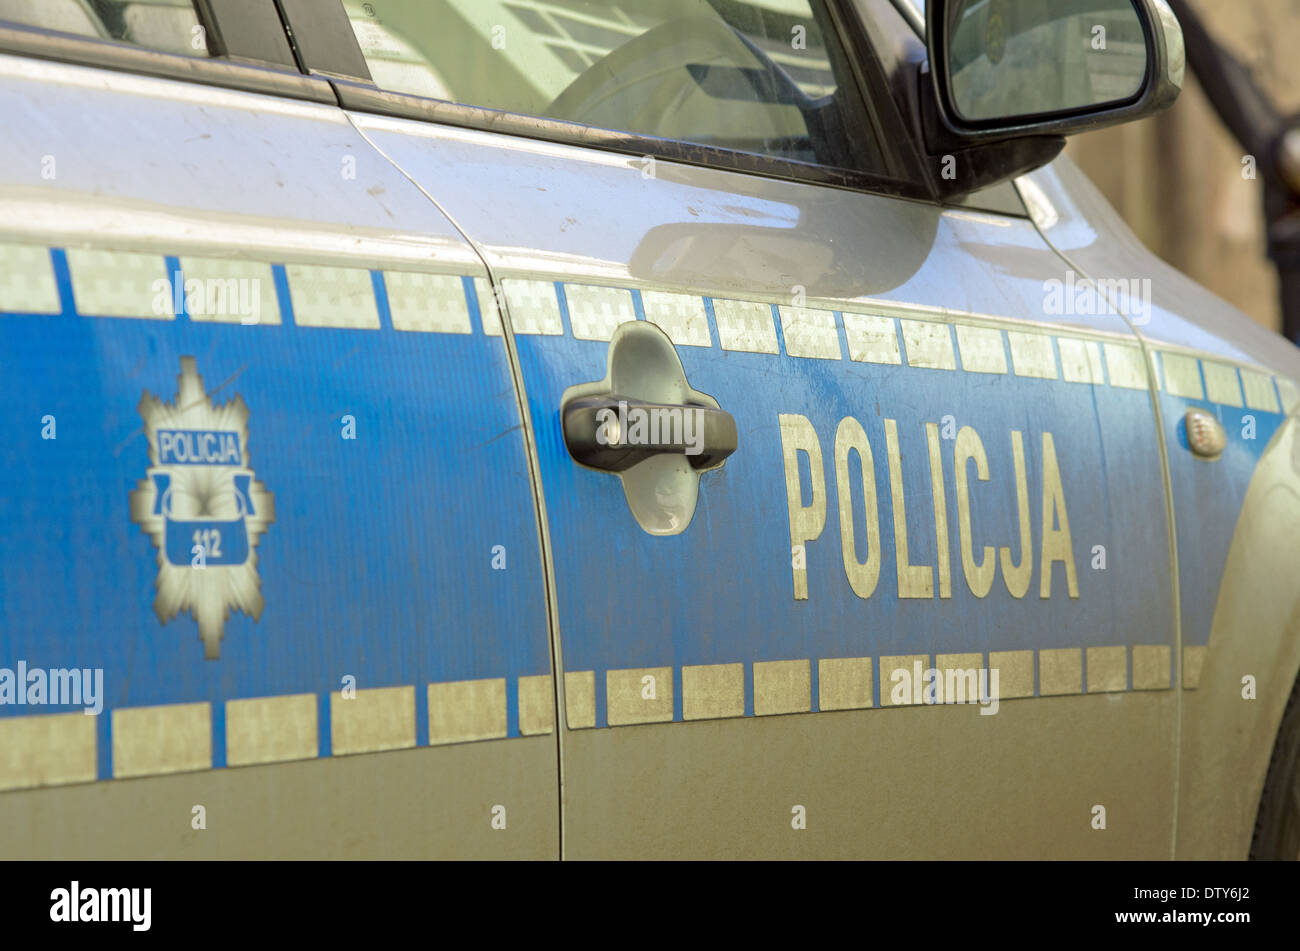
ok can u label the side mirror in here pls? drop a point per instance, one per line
(1038, 70)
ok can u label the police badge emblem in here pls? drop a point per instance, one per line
(202, 508)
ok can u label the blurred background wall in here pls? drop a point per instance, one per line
(1177, 178)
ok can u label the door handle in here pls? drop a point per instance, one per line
(645, 424)
(614, 433)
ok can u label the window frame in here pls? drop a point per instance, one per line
(361, 94)
(235, 30)
(892, 30)
(328, 67)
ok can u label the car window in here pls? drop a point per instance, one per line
(168, 25)
(761, 76)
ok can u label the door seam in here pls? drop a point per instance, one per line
(534, 472)
(1153, 394)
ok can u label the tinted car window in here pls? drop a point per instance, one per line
(169, 25)
(760, 76)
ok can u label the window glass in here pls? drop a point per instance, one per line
(753, 75)
(169, 25)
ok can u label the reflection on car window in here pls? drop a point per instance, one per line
(169, 25)
(753, 75)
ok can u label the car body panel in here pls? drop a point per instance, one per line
(1235, 516)
(712, 613)
(1230, 723)
(1077, 220)
(368, 574)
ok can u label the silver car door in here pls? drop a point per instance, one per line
(941, 472)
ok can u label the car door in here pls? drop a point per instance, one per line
(1235, 513)
(941, 470)
(264, 498)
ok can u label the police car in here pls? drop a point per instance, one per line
(587, 428)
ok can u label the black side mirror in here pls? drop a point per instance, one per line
(1010, 78)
